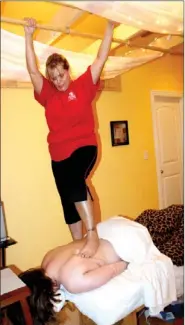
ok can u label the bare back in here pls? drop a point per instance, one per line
(64, 262)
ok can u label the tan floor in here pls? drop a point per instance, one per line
(73, 317)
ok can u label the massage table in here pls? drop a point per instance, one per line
(132, 318)
(154, 283)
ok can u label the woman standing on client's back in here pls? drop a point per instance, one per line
(72, 141)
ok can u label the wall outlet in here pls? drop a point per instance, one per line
(145, 155)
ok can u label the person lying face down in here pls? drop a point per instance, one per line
(63, 265)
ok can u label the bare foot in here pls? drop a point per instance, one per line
(91, 246)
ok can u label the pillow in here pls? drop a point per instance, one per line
(131, 240)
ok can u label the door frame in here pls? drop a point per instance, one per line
(154, 94)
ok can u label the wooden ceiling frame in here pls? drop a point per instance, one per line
(70, 22)
(127, 41)
(131, 45)
(67, 30)
(65, 15)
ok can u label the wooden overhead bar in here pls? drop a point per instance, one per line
(64, 30)
(67, 30)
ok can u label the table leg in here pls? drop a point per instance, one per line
(3, 317)
(26, 312)
(131, 319)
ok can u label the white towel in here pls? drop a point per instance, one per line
(133, 243)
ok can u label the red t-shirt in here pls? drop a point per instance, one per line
(69, 115)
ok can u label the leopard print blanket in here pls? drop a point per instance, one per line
(166, 227)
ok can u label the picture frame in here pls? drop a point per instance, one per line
(119, 133)
(3, 229)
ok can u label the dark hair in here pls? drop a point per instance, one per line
(53, 60)
(39, 301)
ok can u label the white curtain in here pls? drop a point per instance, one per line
(155, 16)
(13, 64)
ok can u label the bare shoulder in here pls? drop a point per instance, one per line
(53, 253)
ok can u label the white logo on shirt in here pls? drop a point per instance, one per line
(71, 96)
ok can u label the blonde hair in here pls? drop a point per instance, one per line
(53, 60)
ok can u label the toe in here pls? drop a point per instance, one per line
(85, 254)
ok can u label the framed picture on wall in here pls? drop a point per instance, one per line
(119, 133)
(3, 232)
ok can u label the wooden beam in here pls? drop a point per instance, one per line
(128, 39)
(15, 84)
(74, 19)
(72, 32)
(64, 16)
(64, 29)
(130, 44)
(70, 22)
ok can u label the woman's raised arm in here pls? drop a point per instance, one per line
(35, 75)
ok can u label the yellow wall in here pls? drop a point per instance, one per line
(125, 183)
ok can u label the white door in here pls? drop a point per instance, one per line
(167, 112)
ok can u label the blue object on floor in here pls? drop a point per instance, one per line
(167, 316)
(177, 310)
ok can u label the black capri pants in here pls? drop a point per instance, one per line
(70, 177)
